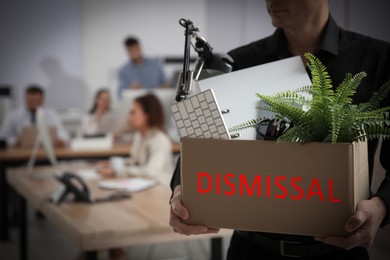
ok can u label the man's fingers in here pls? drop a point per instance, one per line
(358, 219)
(334, 241)
(178, 213)
(213, 230)
(179, 209)
(185, 229)
(344, 242)
(177, 206)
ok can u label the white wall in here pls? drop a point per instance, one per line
(75, 46)
(40, 43)
(105, 24)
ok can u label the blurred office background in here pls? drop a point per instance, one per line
(73, 47)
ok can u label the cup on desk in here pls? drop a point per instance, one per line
(117, 163)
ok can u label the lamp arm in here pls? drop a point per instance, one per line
(185, 79)
(206, 59)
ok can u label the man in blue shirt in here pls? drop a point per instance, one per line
(139, 72)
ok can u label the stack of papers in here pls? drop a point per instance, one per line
(130, 184)
(88, 174)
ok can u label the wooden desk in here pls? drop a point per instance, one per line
(17, 156)
(143, 219)
(22, 154)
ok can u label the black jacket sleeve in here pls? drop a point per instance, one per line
(176, 176)
(384, 189)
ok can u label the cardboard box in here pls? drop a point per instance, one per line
(309, 189)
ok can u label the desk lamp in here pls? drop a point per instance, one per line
(207, 64)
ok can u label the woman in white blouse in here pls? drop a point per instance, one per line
(100, 119)
(151, 150)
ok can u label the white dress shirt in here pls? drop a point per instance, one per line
(151, 157)
(15, 120)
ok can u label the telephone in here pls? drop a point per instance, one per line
(74, 184)
(71, 184)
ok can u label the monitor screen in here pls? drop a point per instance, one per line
(44, 136)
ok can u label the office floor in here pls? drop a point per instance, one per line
(47, 243)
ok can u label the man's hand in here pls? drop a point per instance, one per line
(364, 224)
(179, 212)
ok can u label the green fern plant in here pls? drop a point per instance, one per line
(329, 116)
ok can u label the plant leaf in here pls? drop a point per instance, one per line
(248, 124)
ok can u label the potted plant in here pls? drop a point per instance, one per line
(329, 115)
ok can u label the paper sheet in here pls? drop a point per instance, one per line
(88, 174)
(237, 90)
(128, 184)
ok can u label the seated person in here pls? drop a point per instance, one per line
(151, 150)
(100, 119)
(139, 71)
(25, 116)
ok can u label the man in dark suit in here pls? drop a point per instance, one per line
(306, 26)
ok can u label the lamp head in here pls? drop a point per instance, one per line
(209, 63)
(214, 65)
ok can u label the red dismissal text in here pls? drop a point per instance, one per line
(274, 186)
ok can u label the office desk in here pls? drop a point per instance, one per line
(143, 219)
(18, 156)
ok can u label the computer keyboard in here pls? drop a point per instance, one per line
(199, 116)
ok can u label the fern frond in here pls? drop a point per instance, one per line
(298, 133)
(248, 124)
(319, 120)
(378, 114)
(348, 87)
(304, 89)
(321, 82)
(292, 97)
(267, 108)
(378, 97)
(372, 132)
(368, 117)
(362, 107)
(289, 111)
(336, 119)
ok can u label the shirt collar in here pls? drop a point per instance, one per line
(330, 37)
(27, 110)
(277, 44)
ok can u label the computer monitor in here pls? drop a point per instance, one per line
(166, 97)
(124, 105)
(43, 138)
